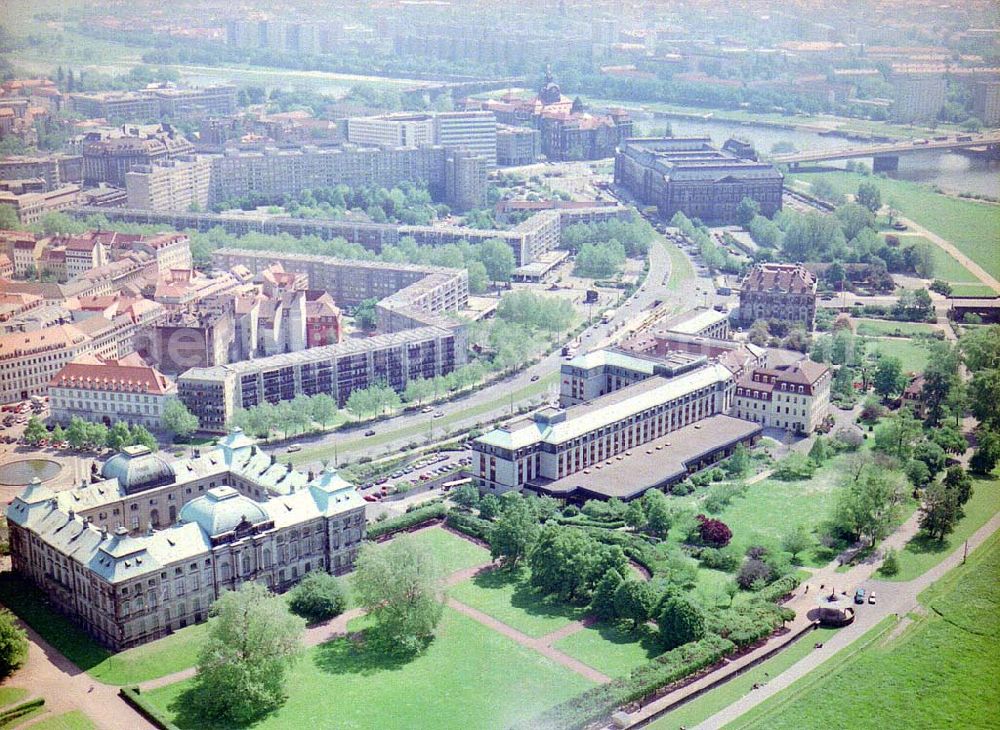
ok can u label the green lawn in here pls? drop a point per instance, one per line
(155, 659)
(469, 676)
(507, 597)
(946, 267)
(974, 228)
(913, 354)
(939, 673)
(74, 720)
(879, 327)
(454, 553)
(610, 649)
(701, 708)
(680, 266)
(972, 290)
(921, 554)
(12, 695)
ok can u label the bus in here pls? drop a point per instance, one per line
(448, 486)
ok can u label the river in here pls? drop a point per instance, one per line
(953, 173)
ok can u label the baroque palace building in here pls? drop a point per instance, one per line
(148, 545)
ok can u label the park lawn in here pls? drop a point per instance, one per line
(880, 327)
(921, 554)
(911, 353)
(12, 695)
(158, 658)
(469, 676)
(74, 720)
(453, 553)
(946, 267)
(611, 650)
(973, 227)
(701, 708)
(941, 672)
(508, 597)
(972, 290)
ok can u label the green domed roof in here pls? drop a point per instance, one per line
(137, 468)
(221, 509)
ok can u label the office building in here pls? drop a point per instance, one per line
(792, 397)
(177, 184)
(986, 102)
(517, 145)
(920, 92)
(107, 158)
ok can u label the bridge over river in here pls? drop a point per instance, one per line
(886, 156)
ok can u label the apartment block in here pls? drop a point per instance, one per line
(177, 184)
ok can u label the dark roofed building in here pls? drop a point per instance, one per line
(785, 292)
(690, 176)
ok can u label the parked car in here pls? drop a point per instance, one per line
(439, 414)
(427, 409)
(370, 432)
(859, 595)
(871, 597)
(534, 378)
(293, 448)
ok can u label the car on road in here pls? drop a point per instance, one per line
(293, 448)
(899, 226)
(439, 414)
(534, 378)
(859, 596)
(871, 597)
(427, 409)
(370, 432)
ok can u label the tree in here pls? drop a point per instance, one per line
(957, 480)
(399, 586)
(889, 379)
(984, 397)
(634, 600)
(252, 642)
(35, 431)
(142, 437)
(58, 435)
(658, 514)
(680, 621)
(498, 258)
(466, 496)
(754, 574)
(987, 452)
(8, 218)
(97, 435)
(714, 532)
(795, 542)
(489, 507)
(635, 515)
(602, 603)
(890, 563)
(177, 419)
(76, 432)
(931, 455)
(365, 315)
(853, 219)
(980, 348)
(418, 390)
(322, 409)
(940, 376)
(869, 196)
(13, 643)
(950, 439)
(514, 533)
(746, 211)
(738, 465)
(569, 563)
(868, 499)
(939, 511)
(318, 596)
(897, 434)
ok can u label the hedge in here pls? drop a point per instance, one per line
(635, 547)
(748, 623)
(583, 520)
(599, 702)
(17, 712)
(470, 525)
(406, 521)
(779, 589)
(137, 702)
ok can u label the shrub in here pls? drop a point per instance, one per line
(407, 521)
(714, 532)
(682, 489)
(714, 559)
(779, 589)
(890, 564)
(752, 572)
(747, 623)
(318, 597)
(469, 525)
(13, 643)
(571, 510)
(794, 467)
(599, 702)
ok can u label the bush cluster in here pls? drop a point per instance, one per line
(406, 521)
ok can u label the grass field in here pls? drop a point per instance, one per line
(972, 290)
(469, 676)
(940, 672)
(507, 597)
(74, 720)
(680, 266)
(882, 327)
(946, 267)
(453, 552)
(610, 649)
(912, 353)
(700, 709)
(974, 228)
(921, 554)
(11, 695)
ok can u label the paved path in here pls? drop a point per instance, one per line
(894, 598)
(978, 271)
(538, 645)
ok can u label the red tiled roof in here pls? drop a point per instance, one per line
(790, 278)
(128, 374)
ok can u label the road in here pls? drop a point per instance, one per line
(535, 384)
